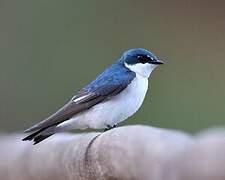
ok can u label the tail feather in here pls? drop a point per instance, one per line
(32, 136)
(40, 135)
(40, 138)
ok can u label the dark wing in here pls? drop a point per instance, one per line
(103, 88)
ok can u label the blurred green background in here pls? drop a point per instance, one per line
(49, 49)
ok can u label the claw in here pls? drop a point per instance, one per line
(110, 127)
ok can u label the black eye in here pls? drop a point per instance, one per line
(143, 59)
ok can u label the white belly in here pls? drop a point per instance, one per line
(113, 111)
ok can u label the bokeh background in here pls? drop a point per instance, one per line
(50, 49)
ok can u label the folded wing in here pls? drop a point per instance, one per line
(103, 88)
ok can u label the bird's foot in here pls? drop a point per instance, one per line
(110, 127)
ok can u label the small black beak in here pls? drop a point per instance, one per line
(158, 62)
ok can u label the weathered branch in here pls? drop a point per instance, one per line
(132, 152)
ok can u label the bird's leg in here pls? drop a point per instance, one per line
(110, 127)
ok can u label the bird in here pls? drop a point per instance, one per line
(115, 95)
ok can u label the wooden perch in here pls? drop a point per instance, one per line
(125, 153)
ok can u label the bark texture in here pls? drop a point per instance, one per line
(125, 153)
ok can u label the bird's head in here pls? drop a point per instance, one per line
(140, 61)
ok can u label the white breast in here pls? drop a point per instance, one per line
(113, 111)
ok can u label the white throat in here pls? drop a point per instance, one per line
(142, 69)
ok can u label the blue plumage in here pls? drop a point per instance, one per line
(118, 74)
(114, 76)
(139, 55)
